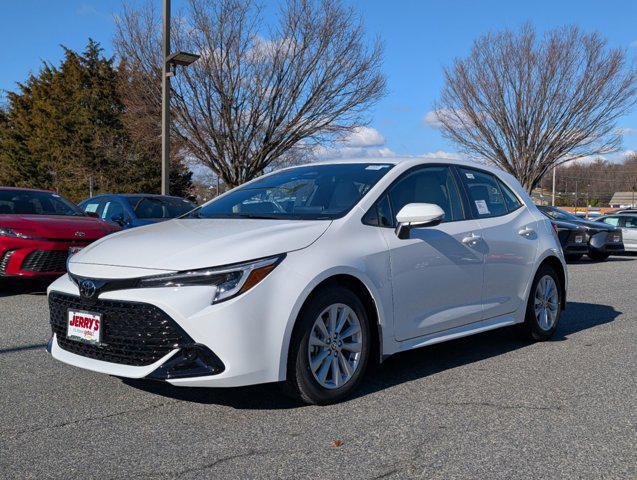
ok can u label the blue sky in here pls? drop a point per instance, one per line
(421, 37)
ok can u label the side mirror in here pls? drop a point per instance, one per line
(415, 215)
(92, 214)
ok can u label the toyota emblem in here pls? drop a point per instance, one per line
(79, 234)
(87, 288)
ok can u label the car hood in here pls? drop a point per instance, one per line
(57, 227)
(566, 225)
(197, 243)
(597, 226)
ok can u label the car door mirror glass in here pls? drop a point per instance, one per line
(415, 215)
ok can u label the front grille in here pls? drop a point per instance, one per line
(4, 260)
(46, 261)
(133, 333)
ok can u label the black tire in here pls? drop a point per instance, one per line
(598, 256)
(300, 379)
(531, 329)
(574, 257)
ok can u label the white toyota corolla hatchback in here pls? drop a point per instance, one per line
(309, 274)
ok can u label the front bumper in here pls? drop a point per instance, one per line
(242, 337)
(35, 258)
(606, 243)
(575, 248)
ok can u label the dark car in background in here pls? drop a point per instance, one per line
(573, 238)
(39, 229)
(602, 239)
(135, 210)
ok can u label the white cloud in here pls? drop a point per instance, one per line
(364, 137)
(431, 119)
(627, 131)
(343, 152)
(443, 154)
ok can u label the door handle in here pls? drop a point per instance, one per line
(472, 240)
(527, 232)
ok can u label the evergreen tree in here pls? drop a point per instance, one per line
(66, 124)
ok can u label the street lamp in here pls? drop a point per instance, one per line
(168, 70)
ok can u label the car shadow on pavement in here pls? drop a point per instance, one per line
(624, 257)
(400, 368)
(11, 287)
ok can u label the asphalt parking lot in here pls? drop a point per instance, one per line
(487, 406)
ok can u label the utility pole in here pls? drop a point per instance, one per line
(553, 194)
(576, 195)
(90, 186)
(165, 102)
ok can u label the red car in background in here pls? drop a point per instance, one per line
(39, 230)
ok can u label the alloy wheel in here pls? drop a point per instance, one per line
(546, 302)
(335, 345)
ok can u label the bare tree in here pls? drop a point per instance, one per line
(529, 103)
(259, 92)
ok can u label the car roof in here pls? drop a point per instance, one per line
(133, 195)
(408, 160)
(26, 189)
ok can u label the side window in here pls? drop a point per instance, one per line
(428, 185)
(380, 214)
(510, 199)
(630, 222)
(485, 195)
(112, 209)
(614, 221)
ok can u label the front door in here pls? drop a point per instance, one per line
(437, 273)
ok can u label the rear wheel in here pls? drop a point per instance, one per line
(544, 305)
(598, 256)
(330, 348)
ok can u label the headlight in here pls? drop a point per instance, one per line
(228, 281)
(8, 232)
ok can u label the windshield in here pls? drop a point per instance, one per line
(159, 207)
(28, 202)
(312, 192)
(558, 214)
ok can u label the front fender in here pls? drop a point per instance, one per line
(383, 311)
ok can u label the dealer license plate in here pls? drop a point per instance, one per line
(84, 326)
(616, 238)
(579, 239)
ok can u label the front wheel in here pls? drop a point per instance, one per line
(330, 348)
(544, 305)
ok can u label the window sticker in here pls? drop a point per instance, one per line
(91, 207)
(481, 205)
(470, 175)
(376, 167)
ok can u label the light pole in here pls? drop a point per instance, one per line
(170, 61)
(553, 192)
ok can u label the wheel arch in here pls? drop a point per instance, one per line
(556, 264)
(354, 282)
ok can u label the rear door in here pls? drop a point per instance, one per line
(509, 231)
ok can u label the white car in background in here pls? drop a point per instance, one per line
(628, 223)
(308, 274)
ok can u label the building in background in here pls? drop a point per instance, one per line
(623, 200)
